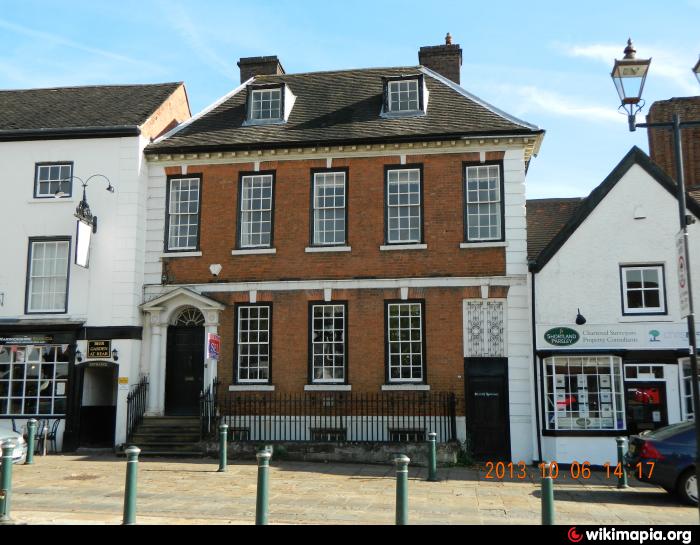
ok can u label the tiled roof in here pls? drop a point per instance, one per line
(100, 106)
(342, 107)
(545, 218)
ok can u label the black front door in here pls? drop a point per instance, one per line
(646, 406)
(487, 408)
(184, 375)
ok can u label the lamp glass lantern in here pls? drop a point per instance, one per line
(629, 75)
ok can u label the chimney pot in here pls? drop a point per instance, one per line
(446, 59)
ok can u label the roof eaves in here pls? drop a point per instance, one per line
(69, 133)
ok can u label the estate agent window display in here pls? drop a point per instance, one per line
(584, 393)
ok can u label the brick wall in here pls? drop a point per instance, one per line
(442, 219)
(661, 140)
(443, 347)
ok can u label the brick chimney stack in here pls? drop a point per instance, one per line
(446, 59)
(260, 66)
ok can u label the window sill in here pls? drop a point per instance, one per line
(398, 247)
(170, 255)
(467, 245)
(44, 200)
(405, 387)
(328, 388)
(327, 249)
(255, 251)
(251, 388)
(630, 319)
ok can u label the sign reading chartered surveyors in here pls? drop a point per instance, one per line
(213, 346)
(683, 289)
(99, 349)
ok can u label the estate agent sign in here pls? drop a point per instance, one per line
(613, 336)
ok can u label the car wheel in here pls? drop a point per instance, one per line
(688, 487)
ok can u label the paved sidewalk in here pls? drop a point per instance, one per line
(89, 490)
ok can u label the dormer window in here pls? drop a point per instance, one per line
(269, 104)
(266, 104)
(404, 96)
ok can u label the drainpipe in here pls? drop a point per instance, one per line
(532, 267)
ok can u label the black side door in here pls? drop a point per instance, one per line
(184, 374)
(488, 417)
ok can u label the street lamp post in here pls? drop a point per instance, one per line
(629, 75)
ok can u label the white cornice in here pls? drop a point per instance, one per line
(159, 291)
(530, 143)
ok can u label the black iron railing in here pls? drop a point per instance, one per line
(341, 417)
(136, 404)
(208, 414)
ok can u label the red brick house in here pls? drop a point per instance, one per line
(354, 234)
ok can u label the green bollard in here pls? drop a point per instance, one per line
(223, 447)
(402, 462)
(8, 447)
(132, 465)
(622, 479)
(261, 503)
(432, 462)
(547, 499)
(31, 426)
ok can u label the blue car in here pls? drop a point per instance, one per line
(672, 450)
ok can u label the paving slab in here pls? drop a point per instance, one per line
(88, 489)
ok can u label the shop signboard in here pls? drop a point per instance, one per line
(99, 349)
(636, 336)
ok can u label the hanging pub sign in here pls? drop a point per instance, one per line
(83, 236)
(99, 349)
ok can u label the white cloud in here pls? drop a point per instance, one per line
(197, 39)
(670, 65)
(55, 39)
(531, 99)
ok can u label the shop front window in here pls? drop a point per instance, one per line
(584, 393)
(33, 380)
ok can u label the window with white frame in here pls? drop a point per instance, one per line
(404, 206)
(403, 95)
(643, 290)
(584, 393)
(484, 328)
(405, 342)
(53, 179)
(33, 380)
(183, 214)
(484, 203)
(329, 203)
(328, 343)
(256, 211)
(266, 104)
(253, 344)
(47, 277)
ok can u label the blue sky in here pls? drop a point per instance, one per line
(547, 62)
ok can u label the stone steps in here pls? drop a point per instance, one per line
(168, 436)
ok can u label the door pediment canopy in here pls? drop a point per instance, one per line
(182, 296)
